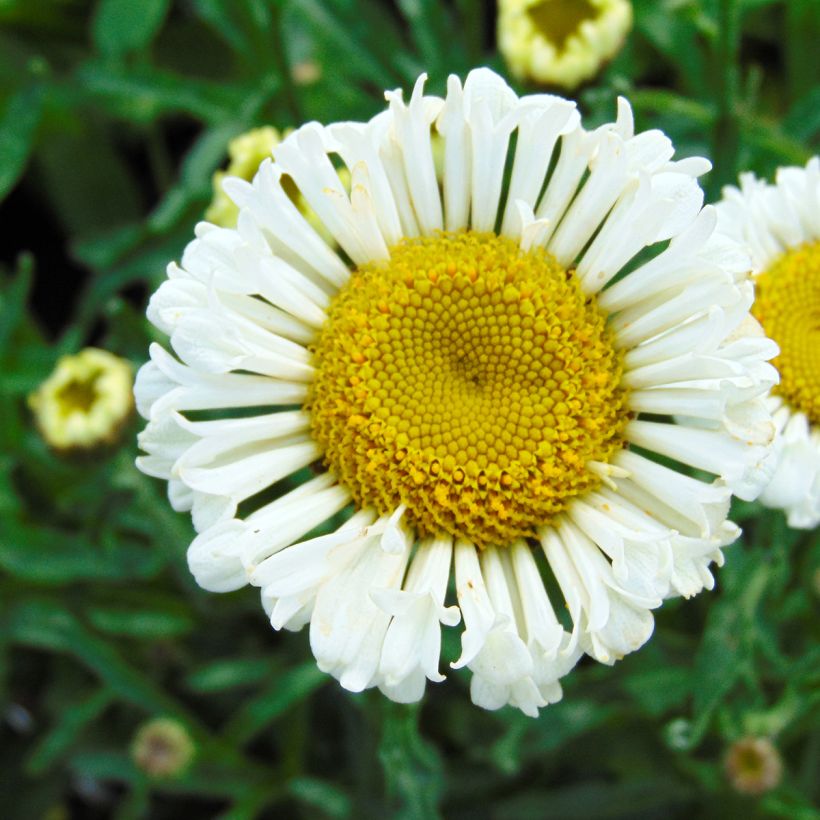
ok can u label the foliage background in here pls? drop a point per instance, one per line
(113, 115)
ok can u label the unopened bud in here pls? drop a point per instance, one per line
(86, 401)
(753, 765)
(561, 42)
(163, 748)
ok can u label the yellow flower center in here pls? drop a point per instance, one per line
(469, 380)
(557, 20)
(79, 394)
(787, 304)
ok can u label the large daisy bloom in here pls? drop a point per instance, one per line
(468, 389)
(780, 226)
(561, 42)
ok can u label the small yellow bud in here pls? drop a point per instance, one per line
(85, 402)
(561, 42)
(753, 765)
(163, 748)
(307, 72)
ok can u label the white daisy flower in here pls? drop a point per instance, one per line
(477, 386)
(780, 226)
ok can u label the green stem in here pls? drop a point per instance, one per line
(161, 166)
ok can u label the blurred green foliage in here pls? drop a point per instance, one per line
(113, 115)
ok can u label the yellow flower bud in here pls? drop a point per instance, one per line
(163, 748)
(561, 42)
(85, 402)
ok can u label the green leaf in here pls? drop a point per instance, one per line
(103, 250)
(215, 779)
(45, 623)
(803, 119)
(122, 26)
(143, 94)
(13, 299)
(194, 183)
(45, 555)
(428, 24)
(229, 673)
(572, 717)
(287, 690)
(658, 690)
(351, 53)
(593, 800)
(717, 663)
(319, 794)
(89, 185)
(18, 127)
(150, 619)
(70, 724)
(412, 766)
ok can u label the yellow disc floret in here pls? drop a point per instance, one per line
(787, 304)
(469, 380)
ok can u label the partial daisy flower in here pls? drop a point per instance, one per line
(86, 401)
(476, 384)
(780, 226)
(561, 42)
